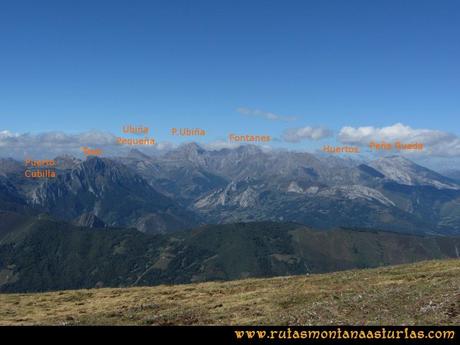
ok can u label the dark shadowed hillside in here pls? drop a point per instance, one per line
(38, 254)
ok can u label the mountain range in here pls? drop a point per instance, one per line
(193, 214)
(191, 186)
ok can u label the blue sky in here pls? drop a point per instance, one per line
(75, 66)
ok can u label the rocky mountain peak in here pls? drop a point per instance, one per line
(138, 154)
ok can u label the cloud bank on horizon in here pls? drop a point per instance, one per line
(438, 144)
(296, 135)
(52, 144)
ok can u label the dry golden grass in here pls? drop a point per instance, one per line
(422, 293)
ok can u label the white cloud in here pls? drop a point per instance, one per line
(6, 135)
(436, 143)
(51, 144)
(219, 145)
(56, 139)
(295, 135)
(265, 114)
(222, 144)
(165, 146)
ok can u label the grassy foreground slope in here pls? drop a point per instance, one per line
(422, 293)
